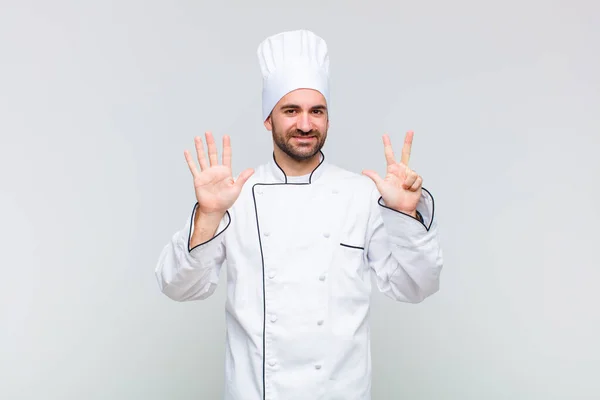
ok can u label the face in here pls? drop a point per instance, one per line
(299, 123)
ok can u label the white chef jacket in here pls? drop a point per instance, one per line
(299, 262)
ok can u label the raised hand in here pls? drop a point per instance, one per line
(215, 188)
(402, 187)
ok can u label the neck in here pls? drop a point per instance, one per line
(293, 167)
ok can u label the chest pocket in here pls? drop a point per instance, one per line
(351, 270)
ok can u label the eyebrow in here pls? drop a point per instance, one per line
(295, 106)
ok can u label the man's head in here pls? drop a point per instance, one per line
(295, 70)
(299, 123)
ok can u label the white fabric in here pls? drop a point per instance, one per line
(299, 261)
(297, 179)
(289, 61)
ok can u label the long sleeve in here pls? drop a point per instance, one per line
(185, 274)
(404, 253)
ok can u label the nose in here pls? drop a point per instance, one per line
(303, 123)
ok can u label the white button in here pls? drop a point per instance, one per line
(271, 274)
(266, 233)
(317, 366)
(272, 363)
(320, 322)
(322, 278)
(273, 318)
(335, 191)
(259, 191)
(326, 234)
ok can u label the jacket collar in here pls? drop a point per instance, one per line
(280, 177)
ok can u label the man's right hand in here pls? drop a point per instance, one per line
(215, 188)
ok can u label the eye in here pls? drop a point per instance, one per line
(290, 111)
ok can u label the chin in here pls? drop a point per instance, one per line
(304, 150)
(304, 155)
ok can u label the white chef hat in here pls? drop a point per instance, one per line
(289, 61)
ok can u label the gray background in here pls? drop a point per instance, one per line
(98, 100)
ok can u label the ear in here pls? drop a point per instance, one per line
(268, 124)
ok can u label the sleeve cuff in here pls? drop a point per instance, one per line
(207, 246)
(399, 224)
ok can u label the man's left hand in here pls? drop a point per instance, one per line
(401, 188)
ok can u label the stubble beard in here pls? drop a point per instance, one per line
(283, 140)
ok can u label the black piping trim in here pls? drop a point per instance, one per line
(262, 258)
(416, 219)
(209, 240)
(352, 247)
(321, 162)
(281, 169)
(301, 183)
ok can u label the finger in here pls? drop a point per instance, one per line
(388, 151)
(244, 176)
(408, 139)
(417, 185)
(191, 164)
(200, 153)
(374, 177)
(227, 151)
(399, 169)
(212, 149)
(411, 177)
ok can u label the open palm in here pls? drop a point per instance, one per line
(401, 188)
(215, 188)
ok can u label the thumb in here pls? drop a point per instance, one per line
(374, 177)
(244, 176)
